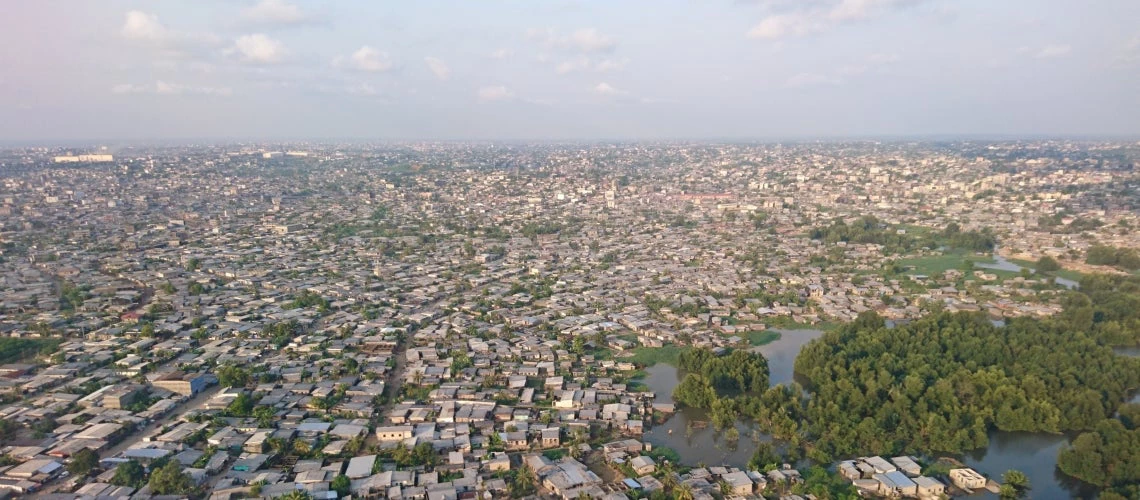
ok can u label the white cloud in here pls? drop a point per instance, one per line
(780, 26)
(257, 49)
(811, 80)
(362, 89)
(816, 17)
(883, 58)
(1052, 51)
(495, 93)
(590, 40)
(1130, 53)
(145, 27)
(585, 40)
(170, 89)
(274, 12)
(608, 90)
(501, 54)
(438, 68)
(611, 64)
(365, 58)
(583, 63)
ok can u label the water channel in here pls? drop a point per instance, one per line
(1001, 264)
(1035, 454)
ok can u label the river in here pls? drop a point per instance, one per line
(1035, 454)
(1001, 264)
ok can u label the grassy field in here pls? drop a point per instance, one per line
(935, 265)
(14, 349)
(764, 337)
(649, 356)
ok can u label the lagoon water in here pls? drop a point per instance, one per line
(1032, 453)
(1001, 264)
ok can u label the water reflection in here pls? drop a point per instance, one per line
(1035, 455)
(1001, 264)
(690, 431)
(782, 352)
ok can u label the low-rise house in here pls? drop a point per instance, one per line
(967, 479)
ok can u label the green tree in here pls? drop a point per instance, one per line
(129, 473)
(1016, 482)
(170, 480)
(241, 406)
(233, 376)
(341, 484)
(83, 462)
(1047, 264)
(266, 416)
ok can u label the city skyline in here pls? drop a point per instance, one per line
(743, 70)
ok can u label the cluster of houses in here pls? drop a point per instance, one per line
(901, 477)
(482, 311)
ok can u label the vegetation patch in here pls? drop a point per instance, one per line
(13, 349)
(764, 337)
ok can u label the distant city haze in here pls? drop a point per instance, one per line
(567, 70)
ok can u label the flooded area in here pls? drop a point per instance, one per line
(690, 433)
(1001, 264)
(1034, 454)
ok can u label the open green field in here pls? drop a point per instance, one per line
(764, 337)
(14, 349)
(935, 265)
(649, 356)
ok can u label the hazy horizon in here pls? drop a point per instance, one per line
(731, 70)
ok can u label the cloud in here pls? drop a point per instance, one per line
(438, 68)
(145, 27)
(883, 58)
(501, 54)
(257, 49)
(608, 90)
(811, 80)
(275, 12)
(362, 89)
(365, 58)
(1052, 51)
(586, 40)
(495, 93)
(816, 17)
(872, 61)
(780, 26)
(1130, 53)
(170, 89)
(583, 63)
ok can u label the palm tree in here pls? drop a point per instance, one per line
(683, 492)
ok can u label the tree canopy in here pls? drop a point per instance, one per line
(939, 384)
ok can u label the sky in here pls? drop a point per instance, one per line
(567, 69)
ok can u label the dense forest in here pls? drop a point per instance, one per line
(941, 383)
(1109, 455)
(895, 239)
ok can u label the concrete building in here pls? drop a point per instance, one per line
(967, 479)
